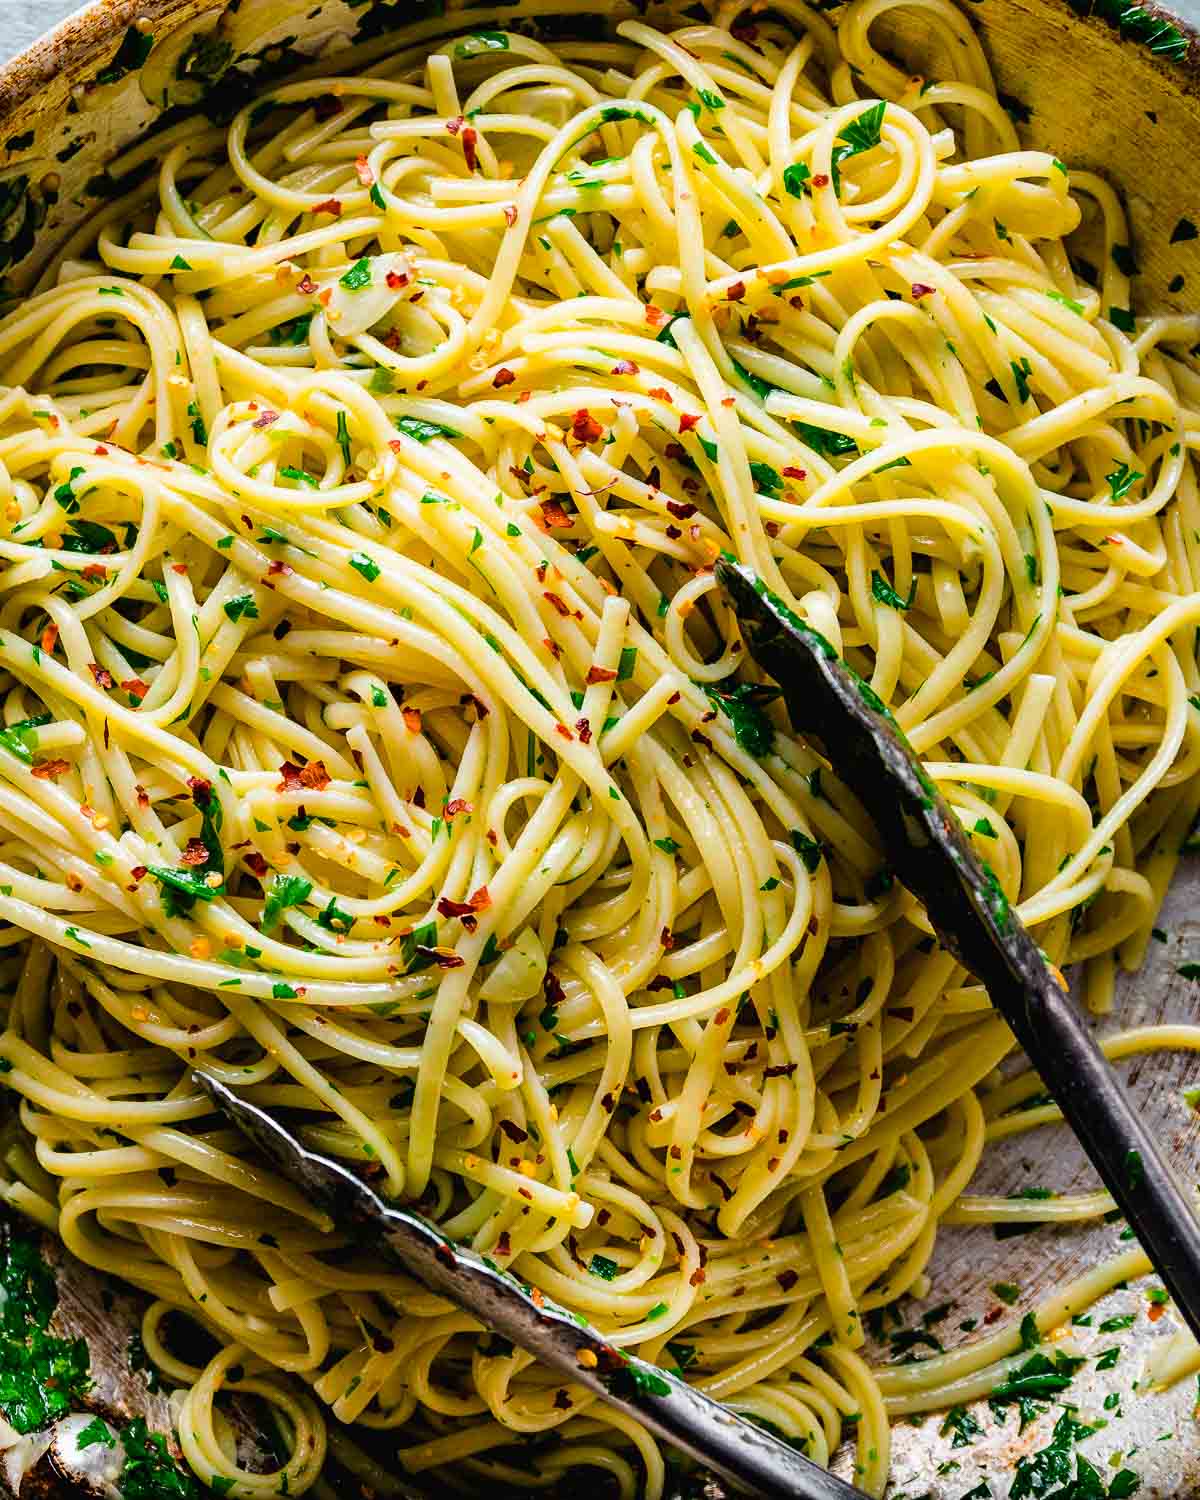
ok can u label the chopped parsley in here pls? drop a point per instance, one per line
(1121, 481)
(284, 891)
(241, 607)
(149, 1472)
(742, 706)
(882, 591)
(358, 276)
(422, 430)
(41, 1377)
(365, 565)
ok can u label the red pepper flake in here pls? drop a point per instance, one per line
(553, 647)
(702, 739)
(329, 206)
(395, 445)
(50, 770)
(504, 1243)
(919, 290)
(673, 533)
(564, 731)
(779, 1070)
(735, 292)
(306, 285)
(584, 729)
(554, 516)
(100, 676)
(820, 180)
(585, 428)
(1155, 1311)
(514, 1132)
(470, 138)
(450, 909)
(397, 280)
(682, 510)
(787, 1279)
(257, 865)
(94, 572)
(674, 698)
(412, 719)
(314, 776)
(791, 472)
(196, 853)
(268, 419)
(660, 393)
(600, 674)
(444, 958)
(503, 377)
(139, 872)
(655, 315)
(667, 938)
(772, 528)
(135, 687)
(625, 367)
(510, 214)
(554, 600)
(697, 1278)
(49, 637)
(142, 795)
(455, 125)
(689, 420)
(363, 170)
(459, 805)
(608, 1102)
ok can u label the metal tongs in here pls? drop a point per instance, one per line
(749, 1457)
(827, 701)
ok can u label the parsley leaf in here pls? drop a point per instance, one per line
(284, 891)
(358, 276)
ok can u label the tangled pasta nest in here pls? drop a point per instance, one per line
(377, 740)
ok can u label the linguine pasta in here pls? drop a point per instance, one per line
(376, 739)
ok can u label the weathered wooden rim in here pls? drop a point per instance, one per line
(75, 41)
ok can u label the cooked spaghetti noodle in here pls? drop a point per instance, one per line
(376, 738)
